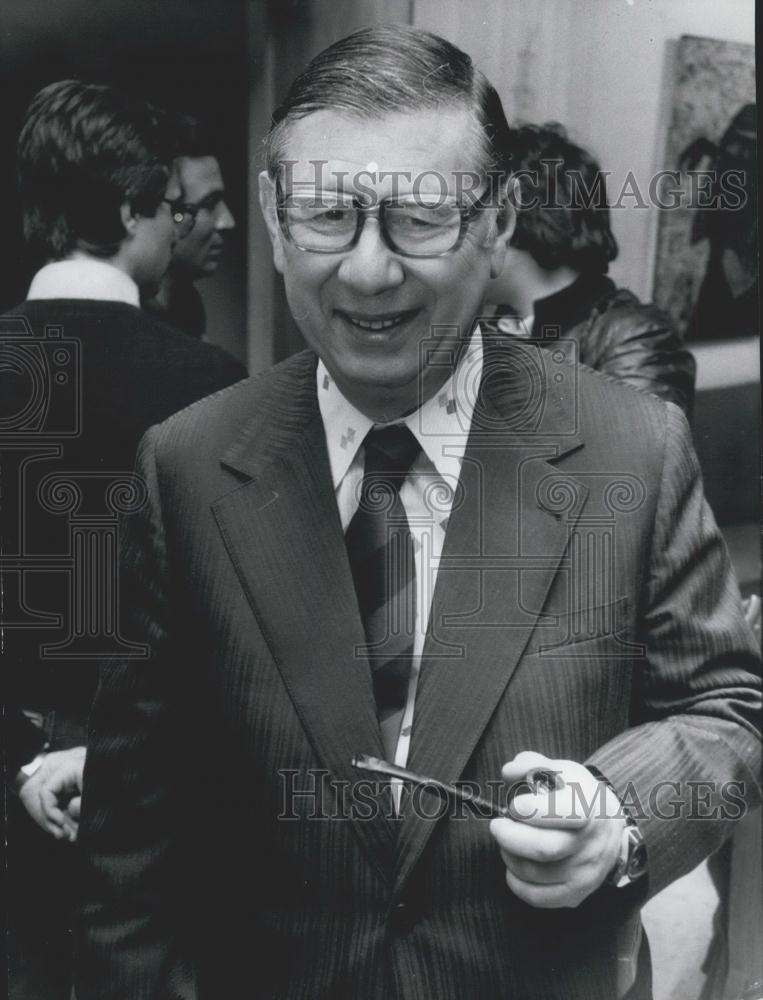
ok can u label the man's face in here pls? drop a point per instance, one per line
(340, 299)
(198, 253)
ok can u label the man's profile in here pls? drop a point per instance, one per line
(196, 254)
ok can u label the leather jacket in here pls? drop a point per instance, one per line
(617, 334)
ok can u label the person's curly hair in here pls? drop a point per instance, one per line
(562, 210)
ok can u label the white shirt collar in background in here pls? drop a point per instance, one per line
(83, 278)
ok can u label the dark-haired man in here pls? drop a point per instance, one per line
(197, 253)
(420, 542)
(101, 214)
(555, 275)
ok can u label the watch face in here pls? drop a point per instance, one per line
(633, 858)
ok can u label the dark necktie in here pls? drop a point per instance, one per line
(380, 548)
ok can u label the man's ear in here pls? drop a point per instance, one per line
(268, 208)
(128, 217)
(507, 221)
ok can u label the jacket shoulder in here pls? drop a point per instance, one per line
(210, 424)
(189, 350)
(624, 418)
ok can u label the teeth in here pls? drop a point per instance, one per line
(375, 324)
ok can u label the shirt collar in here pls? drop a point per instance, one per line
(441, 425)
(83, 278)
(516, 326)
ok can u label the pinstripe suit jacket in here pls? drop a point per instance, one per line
(584, 608)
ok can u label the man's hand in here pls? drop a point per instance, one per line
(52, 795)
(563, 843)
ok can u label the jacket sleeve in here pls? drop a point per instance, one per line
(129, 942)
(23, 740)
(637, 344)
(690, 765)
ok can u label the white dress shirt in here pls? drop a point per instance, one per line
(441, 427)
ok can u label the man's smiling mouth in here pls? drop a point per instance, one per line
(375, 324)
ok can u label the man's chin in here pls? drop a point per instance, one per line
(379, 392)
(210, 262)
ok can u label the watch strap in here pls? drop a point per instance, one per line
(632, 860)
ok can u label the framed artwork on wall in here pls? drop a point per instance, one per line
(706, 262)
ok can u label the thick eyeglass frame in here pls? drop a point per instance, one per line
(183, 215)
(467, 213)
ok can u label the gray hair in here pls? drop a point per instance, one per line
(394, 68)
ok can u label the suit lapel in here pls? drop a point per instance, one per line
(283, 533)
(502, 552)
(503, 548)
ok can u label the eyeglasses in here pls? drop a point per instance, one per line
(184, 216)
(331, 222)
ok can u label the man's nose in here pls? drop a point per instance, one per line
(371, 267)
(224, 218)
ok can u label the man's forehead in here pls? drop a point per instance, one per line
(334, 149)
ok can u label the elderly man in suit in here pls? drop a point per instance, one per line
(417, 542)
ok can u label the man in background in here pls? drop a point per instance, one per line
(197, 253)
(554, 283)
(84, 373)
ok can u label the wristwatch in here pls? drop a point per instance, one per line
(631, 863)
(632, 860)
